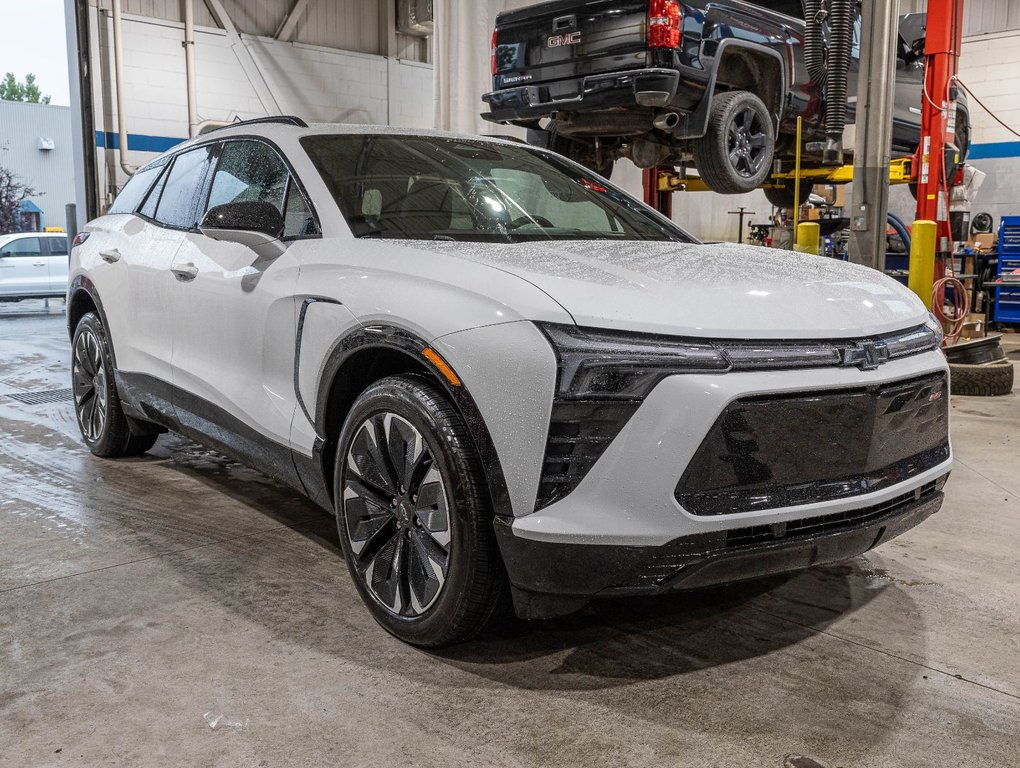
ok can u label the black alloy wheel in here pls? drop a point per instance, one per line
(415, 517)
(745, 142)
(735, 154)
(396, 514)
(88, 376)
(104, 427)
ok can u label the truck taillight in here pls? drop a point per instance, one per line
(492, 58)
(664, 21)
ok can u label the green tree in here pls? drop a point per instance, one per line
(12, 90)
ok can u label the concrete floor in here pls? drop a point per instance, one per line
(137, 596)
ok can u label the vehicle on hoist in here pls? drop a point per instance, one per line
(716, 86)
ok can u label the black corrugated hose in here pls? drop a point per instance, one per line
(841, 36)
(814, 44)
(828, 68)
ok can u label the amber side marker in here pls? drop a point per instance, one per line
(433, 357)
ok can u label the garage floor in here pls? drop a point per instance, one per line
(138, 596)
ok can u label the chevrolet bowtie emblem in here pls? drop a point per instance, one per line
(866, 355)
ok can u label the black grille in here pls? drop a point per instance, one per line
(778, 451)
(41, 397)
(679, 553)
(580, 431)
(835, 523)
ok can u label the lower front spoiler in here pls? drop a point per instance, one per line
(551, 579)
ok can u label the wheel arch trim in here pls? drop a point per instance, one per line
(393, 338)
(697, 126)
(83, 284)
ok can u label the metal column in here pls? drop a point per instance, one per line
(873, 133)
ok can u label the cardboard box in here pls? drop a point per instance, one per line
(982, 242)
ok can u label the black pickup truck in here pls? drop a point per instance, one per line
(713, 84)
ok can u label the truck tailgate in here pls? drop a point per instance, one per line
(558, 43)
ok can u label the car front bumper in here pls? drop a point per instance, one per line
(623, 530)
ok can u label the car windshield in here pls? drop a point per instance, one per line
(432, 188)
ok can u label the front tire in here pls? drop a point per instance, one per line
(101, 420)
(414, 515)
(735, 154)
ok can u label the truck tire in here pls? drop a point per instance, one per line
(735, 154)
(782, 197)
(583, 154)
(988, 380)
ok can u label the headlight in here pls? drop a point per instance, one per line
(611, 365)
(935, 326)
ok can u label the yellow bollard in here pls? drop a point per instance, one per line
(922, 260)
(808, 238)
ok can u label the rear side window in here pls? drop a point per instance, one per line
(178, 201)
(23, 246)
(134, 190)
(58, 246)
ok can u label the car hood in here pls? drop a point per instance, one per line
(706, 290)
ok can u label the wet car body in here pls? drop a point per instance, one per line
(647, 412)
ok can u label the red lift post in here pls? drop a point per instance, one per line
(660, 201)
(943, 37)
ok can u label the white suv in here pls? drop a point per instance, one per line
(505, 376)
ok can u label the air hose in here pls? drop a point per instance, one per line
(814, 42)
(841, 36)
(832, 71)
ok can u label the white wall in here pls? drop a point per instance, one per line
(316, 83)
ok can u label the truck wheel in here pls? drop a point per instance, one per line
(782, 197)
(735, 154)
(583, 154)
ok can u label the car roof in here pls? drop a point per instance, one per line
(10, 235)
(278, 130)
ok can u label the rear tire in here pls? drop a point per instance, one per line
(414, 515)
(101, 420)
(782, 197)
(735, 154)
(583, 154)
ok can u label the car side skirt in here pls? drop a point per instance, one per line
(152, 399)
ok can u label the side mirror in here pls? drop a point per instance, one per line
(246, 216)
(252, 223)
(916, 52)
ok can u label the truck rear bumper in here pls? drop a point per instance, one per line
(638, 87)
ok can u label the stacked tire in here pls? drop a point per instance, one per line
(980, 369)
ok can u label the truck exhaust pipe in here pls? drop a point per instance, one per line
(666, 121)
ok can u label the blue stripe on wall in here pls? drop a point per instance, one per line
(993, 150)
(137, 141)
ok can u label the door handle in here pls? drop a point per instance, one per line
(185, 272)
(109, 255)
(39, 264)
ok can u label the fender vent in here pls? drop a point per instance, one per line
(43, 396)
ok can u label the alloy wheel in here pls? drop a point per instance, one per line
(89, 385)
(745, 142)
(396, 515)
